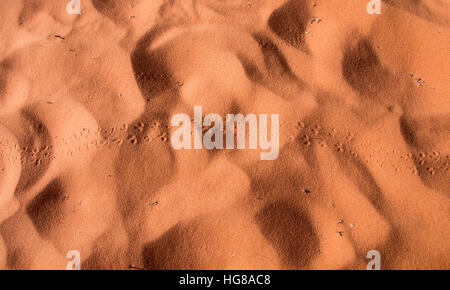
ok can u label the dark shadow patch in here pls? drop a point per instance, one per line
(363, 70)
(114, 10)
(163, 254)
(277, 75)
(251, 69)
(45, 209)
(34, 138)
(150, 68)
(290, 232)
(289, 23)
(424, 137)
(407, 132)
(276, 63)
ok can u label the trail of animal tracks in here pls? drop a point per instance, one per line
(86, 162)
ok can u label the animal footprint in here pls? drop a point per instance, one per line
(139, 127)
(133, 139)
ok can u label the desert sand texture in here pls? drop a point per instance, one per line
(87, 165)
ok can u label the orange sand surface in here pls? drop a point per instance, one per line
(86, 161)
